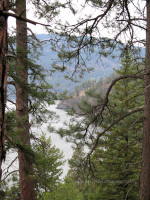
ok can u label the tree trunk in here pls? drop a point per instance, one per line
(145, 176)
(25, 166)
(3, 79)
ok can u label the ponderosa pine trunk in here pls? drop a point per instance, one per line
(145, 175)
(3, 79)
(25, 166)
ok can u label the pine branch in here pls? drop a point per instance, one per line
(19, 17)
(129, 191)
(34, 36)
(11, 82)
(109, 127)
(97, 18)
(10, 56)
(99, 109)
(10, 174)
(11, 164)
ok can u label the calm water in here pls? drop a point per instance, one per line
(55, 139)
(59, 142)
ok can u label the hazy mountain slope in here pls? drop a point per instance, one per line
(103, 67)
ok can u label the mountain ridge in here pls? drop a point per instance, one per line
(103, 67)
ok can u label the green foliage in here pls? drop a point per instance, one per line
(78, 169)
(10, 188)
(46, 159)
(120, 136)
(65, 191)
(13, 141)
(40, 92)
(10, 129)
(47, 9)
(116, 163)
(85, 86)
(47, 166)
(47, 163)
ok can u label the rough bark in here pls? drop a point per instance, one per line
(25, 166)
(145, 175)
(3, 79)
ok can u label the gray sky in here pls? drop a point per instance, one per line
(68, 16)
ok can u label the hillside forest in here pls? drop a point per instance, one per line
(94, 58)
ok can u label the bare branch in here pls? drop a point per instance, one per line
(109, 127)
(8, 14)
(99, 109)
(126, 197)
(10, 56)
(10, 174)
(11, 82)
(11, 163)
(97, 18)
(34, 36)
(11, 101)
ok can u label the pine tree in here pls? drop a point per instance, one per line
(50, 9)
(22, 113)
(121, 23)
(119, 163)
(65, 191)
(3, 79)
(38, 93)
(47, 166)
(77, 170)
(116, 163)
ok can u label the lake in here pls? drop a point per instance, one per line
(56, 140)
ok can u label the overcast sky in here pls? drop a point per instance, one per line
(67, 15)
